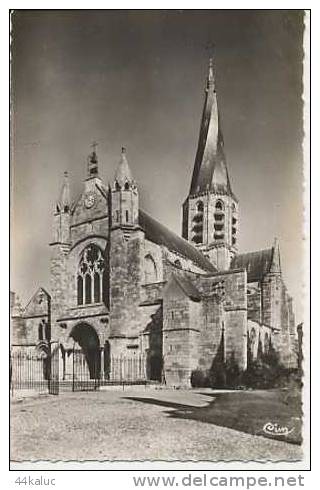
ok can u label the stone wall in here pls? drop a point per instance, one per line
(18, 333)
(229, 288)
(277, 313)
(180, 335)
(126, 258)
(212, 325)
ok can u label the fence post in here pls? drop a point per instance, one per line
(73, 369)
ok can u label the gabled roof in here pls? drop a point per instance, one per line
(38, 304)
(257, 263)
(159, 234)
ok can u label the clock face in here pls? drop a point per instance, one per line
(89, 200)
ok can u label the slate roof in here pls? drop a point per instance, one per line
(257, 263)
(161, 235)
(210, 169)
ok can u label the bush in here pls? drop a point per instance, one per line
(199, 379)
(265, 372)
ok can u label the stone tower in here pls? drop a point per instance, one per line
(62, 214)
(124, 197)
(126, 240)
(210, 212)
(60, 247)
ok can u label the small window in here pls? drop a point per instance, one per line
(87, 283)
(96, 287)
(126, 186)
(47, 330)
(197, 224)
(200, 207)
(177, 263)
(117, 216)
(219, 205)
(40, 331)
(80, 290)
(127, 216)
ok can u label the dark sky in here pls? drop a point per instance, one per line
(136, 79)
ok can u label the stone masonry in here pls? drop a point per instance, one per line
(128, 286)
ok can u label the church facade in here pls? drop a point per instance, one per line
(125, 285)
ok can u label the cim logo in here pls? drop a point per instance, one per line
(276, 430)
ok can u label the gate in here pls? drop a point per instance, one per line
(86, 370)
(39, 370)
(53, 381)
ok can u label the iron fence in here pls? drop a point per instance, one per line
(45, 373)
(29, 371)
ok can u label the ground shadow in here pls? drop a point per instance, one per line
(245, 411)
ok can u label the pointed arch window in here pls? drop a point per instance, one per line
(43, 330)
(87, 288)
(219, 220)
(40, 331)
(90, 276)
(96, 287)
(197, 223)
(266, 343)
(251, 340)
(234, 224)
(150, 270)
(80, 289)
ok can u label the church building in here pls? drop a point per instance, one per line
(124, 285)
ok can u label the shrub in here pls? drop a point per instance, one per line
(199, 379)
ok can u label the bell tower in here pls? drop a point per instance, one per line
(210, 212)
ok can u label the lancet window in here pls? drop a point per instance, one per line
(197, 224)
(90, 276)
(219, 221)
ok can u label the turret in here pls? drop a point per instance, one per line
(124, 197)
(61, 219)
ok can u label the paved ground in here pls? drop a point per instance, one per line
(130, 425)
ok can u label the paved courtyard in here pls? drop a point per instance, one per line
(131, 425)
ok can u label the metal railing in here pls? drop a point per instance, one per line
(33, 370)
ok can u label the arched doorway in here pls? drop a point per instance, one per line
(87, 338)
(42, 353)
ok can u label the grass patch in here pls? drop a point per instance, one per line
(246, 411)
(249, 411)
